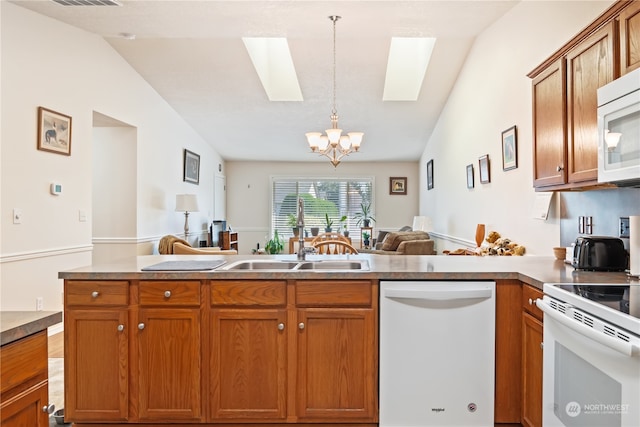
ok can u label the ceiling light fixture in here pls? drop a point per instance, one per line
(333, 145)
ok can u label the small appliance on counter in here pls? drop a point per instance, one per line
(600, 253)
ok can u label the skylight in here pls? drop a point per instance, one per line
(406, 66)
(272, 60)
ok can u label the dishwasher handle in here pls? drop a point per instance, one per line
(438, 294)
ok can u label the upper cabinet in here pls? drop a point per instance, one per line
(565, 135)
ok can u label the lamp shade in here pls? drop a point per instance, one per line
(186, 203)
(422, 223)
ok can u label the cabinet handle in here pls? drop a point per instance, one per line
(141, 326)
(95, 294)
(281, 326)
(49, 409)
(120, 328)
(541, 346)
(559, 168)
(167, 294)
(301, 325)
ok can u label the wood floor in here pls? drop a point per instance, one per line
(56, 345)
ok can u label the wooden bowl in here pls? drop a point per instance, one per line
(560, 253)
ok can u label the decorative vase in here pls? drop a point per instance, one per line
(327, 229)
(366, 222)
(296, 231)
(479, 234)
(346, 233)
(315, 231)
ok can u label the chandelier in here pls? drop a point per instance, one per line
(333, 145)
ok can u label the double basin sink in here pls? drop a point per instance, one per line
(311, 265)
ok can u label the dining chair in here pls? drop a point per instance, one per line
(334, 247)
(332, 235)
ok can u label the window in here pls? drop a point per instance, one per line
(336, 197)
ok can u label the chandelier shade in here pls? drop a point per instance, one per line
(334, 145)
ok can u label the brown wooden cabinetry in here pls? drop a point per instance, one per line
(228, 240)
(531, 358)
(24, 382)
(629, 22)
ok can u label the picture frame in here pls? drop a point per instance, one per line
(54, 132)
(191, 170)
(509, 149)
(398, 185)
(470, 183)
(485, 175)
(430, 174)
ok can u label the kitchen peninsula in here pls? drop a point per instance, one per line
(229, 346)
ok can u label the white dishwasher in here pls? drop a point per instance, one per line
(437, 347)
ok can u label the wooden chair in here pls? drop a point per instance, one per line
(334, 247)
(333, 235)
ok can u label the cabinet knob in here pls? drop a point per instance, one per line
(141, 326)
(301, 325)
(541, 346)
(167, 294)
(95, 294)
(120, 328)
(49, 409)
(281, 326)
(559, 168)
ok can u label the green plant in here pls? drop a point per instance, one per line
(343, 222)
(364, 216)
(328, 221)
(275, 245)
(292, 221)
(365, 236)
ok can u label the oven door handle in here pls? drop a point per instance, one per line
(623, 347)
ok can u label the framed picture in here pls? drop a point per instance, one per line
(430, 174)
(485, 177)
(398, 185)
(191, 167)
(469, 176)
(509, 149)
(54, 132)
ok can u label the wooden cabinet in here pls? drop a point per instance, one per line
(531, 358)
(168, 349)
(96, 350)
(629, 23)
(309, 343)
(24, 382)
(228, 240)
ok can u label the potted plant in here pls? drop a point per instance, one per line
(328, 223)
(364, 217)
(365, 238)
(275, 245)
(292, 222)
(343, 226)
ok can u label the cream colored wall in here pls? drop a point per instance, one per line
(248, 192)
(47, 63)
(491, 94)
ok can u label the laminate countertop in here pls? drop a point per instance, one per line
(533, 270)
(15, 325)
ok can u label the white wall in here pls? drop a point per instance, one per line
(493, 93)
(50, 64)
(248, 193)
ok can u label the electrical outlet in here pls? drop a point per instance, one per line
(39, 303)
(623, 227)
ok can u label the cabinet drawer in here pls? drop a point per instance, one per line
(23, 360)
(170, 293)
(249, 293)
(99, 293)
(339, 293)
(529, 295)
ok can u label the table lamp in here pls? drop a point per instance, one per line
(186, 203)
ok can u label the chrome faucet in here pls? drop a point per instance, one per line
(300, 224)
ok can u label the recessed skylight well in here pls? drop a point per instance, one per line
(406, 67)
(272, 60)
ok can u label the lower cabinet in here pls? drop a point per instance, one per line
(531, 358)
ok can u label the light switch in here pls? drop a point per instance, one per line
(17, 216)
(82, 216)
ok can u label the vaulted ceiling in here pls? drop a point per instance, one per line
(193, 55)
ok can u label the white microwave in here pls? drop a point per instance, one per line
(619, 131)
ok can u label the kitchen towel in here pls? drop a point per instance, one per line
(634, 245)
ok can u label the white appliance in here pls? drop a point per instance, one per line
(619, 130)
(591, 359)
(437, 347)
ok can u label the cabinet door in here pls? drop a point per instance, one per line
(549, 126)
(96, 365)
(249, 363)
(630, 38)
(531, 371)
(590, 65)
(337, 369)
(26, 409)
(168, 368)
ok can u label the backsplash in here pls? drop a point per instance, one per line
(604, 206)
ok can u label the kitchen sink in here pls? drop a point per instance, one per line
(315, 265)
(262, 265)
(334, 265)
